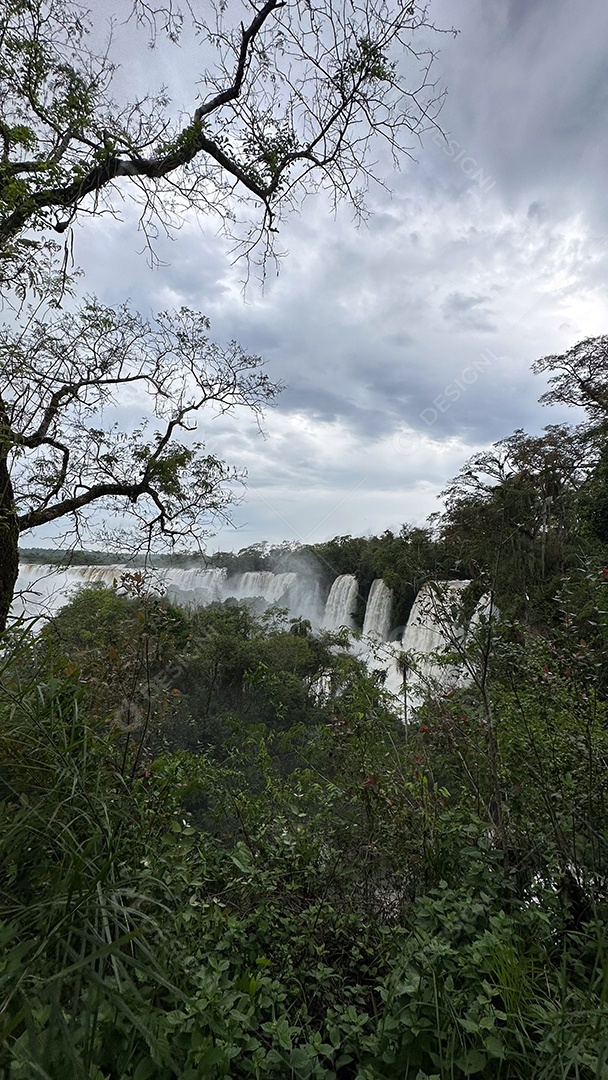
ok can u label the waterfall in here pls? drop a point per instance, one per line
(341, 602)
(306, 599)
(485, 609)
(196, 587)
(259, 583)
(434, 626)
(431, 622)
(377, 620)
(43, 589)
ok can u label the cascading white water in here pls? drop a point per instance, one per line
(43, 589)
(484, 613)
(260, 583)
(432, 618)
(196, 587)
(341, 602)
(377, 622)
(485, 609)
(434, 627)
(306, 600)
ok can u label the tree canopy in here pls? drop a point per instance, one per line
(66, 446)
(579, 377)
(285, 98)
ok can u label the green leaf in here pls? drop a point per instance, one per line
(494, 1046)
(145, 1069)
(473, 1062)
(241, 858)
(301, 1058)
(469, 1025)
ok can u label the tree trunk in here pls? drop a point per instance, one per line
(9, 542)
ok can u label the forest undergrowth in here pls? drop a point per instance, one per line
(223, 854)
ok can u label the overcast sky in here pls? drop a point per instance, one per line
(406, 345)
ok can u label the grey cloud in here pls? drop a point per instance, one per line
(371, 330)
(530, 101)
(467, 311)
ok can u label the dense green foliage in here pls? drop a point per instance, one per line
(223, 854)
